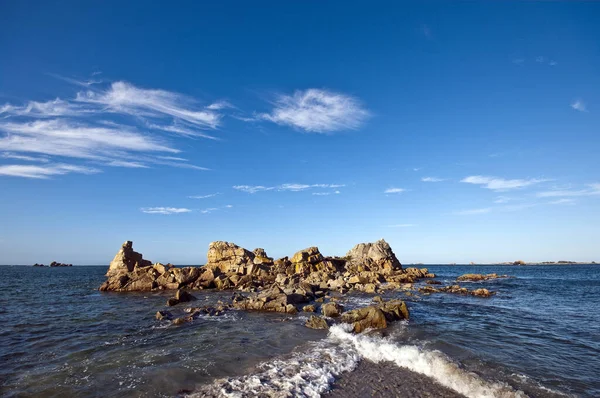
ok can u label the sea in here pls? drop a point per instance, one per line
(539, 336)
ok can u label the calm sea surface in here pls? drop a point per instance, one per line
(539, 337)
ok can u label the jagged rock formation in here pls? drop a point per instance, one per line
(376, 256)
(368, 267)
(126, 260)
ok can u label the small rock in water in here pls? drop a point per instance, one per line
(160, 315)
(331, 309)
(316, 322)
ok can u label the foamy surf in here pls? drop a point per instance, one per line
(433, 364)
(308, 373)
(311, 371)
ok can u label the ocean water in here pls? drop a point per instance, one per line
(538, 337)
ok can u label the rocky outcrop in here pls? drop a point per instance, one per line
(456, 289)
(368, 267)
(274, 299)
(126, 260)
(479, 277)
(377, 257)
(38, 265)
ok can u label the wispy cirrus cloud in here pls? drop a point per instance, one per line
(501, 184)
(119, 125)
(43, 171)
(252, 188)
(473, 211)
(394, 190)
(317, 111)
(563, 201)
(432, 179)
(125, 98)
(63, 137)
(285, 187)
(8, 155)
(326, 193)
(579, 105)
(165, 210)
(213, 209)
(591, 190)
(212, 195)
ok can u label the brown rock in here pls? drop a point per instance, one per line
(316, 322)
(365, 318)
(228, 258)
(376, 256)
(479, 277)
(126, 260)
(309, 308)
(332, 309)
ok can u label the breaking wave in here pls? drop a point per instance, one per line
(312, 371)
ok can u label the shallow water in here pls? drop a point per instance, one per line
(536, 337)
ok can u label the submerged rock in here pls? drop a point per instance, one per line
(479, 277)
(160, 315)
(456, 289)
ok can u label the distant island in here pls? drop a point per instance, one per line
(53, 264)
(519, 262)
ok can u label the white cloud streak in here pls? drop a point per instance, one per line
(8, 155)
(164, 210)
(285, 187)
(501, 184)
(473, 211)
(125, 98)
(212, 195)
(593, 189)
(43, 172)
(564, 201)
(318, 111)
(432, 179)
(394, 190)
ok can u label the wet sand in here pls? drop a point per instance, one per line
(386, 380)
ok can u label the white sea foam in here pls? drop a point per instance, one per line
(304, 374)
(310, 372)
(430, 363)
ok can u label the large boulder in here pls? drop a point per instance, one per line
(376, 256)
(376, 316)
(370, 317)
(229, 258)
(126, 260)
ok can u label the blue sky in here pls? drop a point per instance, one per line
(457, 132)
